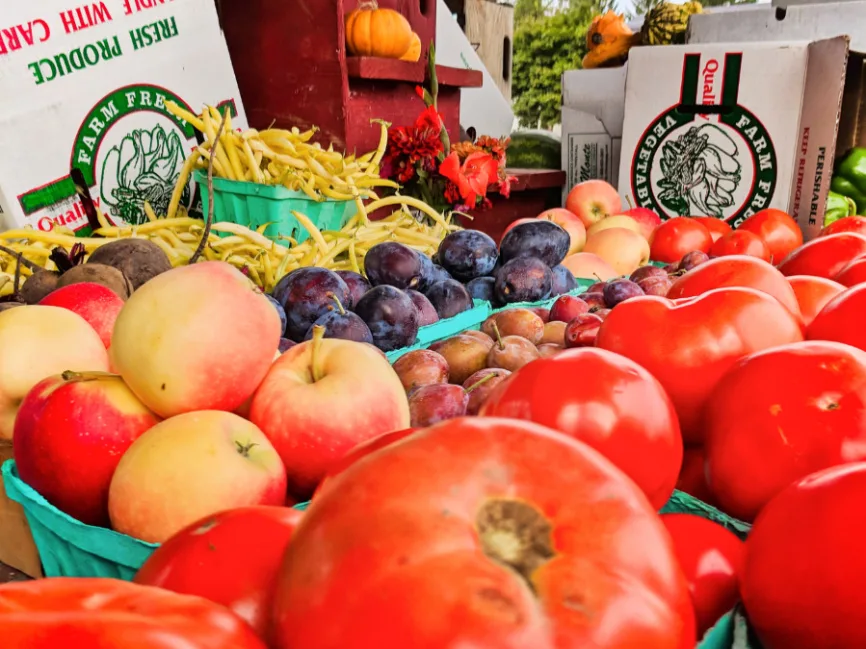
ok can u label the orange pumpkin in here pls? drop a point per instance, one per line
(414, 53)
(371, 31)
(608, 40)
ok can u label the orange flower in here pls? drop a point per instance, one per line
(472, 179)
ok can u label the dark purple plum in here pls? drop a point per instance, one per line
(358, 285)
(425, 308)
(656, 285)
(439, 275)
(449, 297)
(391, 316)
(344, 325)
(525, 279)
(693, 260)
(563, 280)
(537, 238)
(307, 294)
(468, 254)
(620, 290)
(647, 271)
(393, 264)
(286, 345)
(482, 288)
(280, 310)
(429, 273)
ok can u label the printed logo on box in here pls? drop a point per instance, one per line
(708, 156)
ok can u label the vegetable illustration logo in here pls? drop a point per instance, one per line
(145, 166)
(709, 159)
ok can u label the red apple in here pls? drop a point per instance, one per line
(571, 224)
(593, 200)
(93, 302)
(567, 308)
(625, 250)
(198, 337)
(191, 466)
(70, 434)
(37, 342)
(586, 265)
(646, 218)
(323, 398)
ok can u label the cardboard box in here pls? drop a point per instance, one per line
(593, 107)
(808, 22)
(83, 85)
(727, 129)
(17, 548)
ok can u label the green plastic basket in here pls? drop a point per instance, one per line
(69, 548)
(446, 328)
(254, 205)
(682, 503)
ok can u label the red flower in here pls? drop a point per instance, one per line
(472, 179)
(429, 120)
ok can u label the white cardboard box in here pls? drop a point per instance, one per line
(593, 106)
(84, 85)
(726, 130)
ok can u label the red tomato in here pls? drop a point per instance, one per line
(813, 294)
(736, 270)
(107, 613)
(363, 450)
(623, 412)
(482, 532)
(676, 237)
(741, 242)
(802, 582)
(693, 477)
(847, 224)
(853, 274)
(780, 232)
(711, 559)
(825, 256)
(842, 319)
(203, 560)
(717, 227)
(689, 346)
(781, 414)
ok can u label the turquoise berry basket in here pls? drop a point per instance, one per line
(69, 548)
(254, 205)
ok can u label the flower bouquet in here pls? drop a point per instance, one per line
(446, 176)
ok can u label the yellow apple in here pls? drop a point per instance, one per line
(625, 250)
(586, 265)
(616, 221)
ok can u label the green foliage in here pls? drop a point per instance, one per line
(549, 39)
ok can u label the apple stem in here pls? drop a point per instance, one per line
(244, 449)
(339, 304)
(315, 350)
(628, 200)
(498, 337)
(70, 375)
(481, 382)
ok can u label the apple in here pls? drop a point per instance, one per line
(646, 218)
(625, 250)
(586, 265)
(95, 303)
(37, 342)
(593, 200)
(191, 466)
(70, 434)
(321, 399)
(198, 337)
(571, 224)
(616, 221)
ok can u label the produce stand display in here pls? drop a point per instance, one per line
(349, 380)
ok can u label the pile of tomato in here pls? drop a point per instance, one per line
(536, 525)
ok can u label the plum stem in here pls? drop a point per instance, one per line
(339, 304)
(70, 375)
(315, 353)
(498, 337)
(628, 200)
(481, 382)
